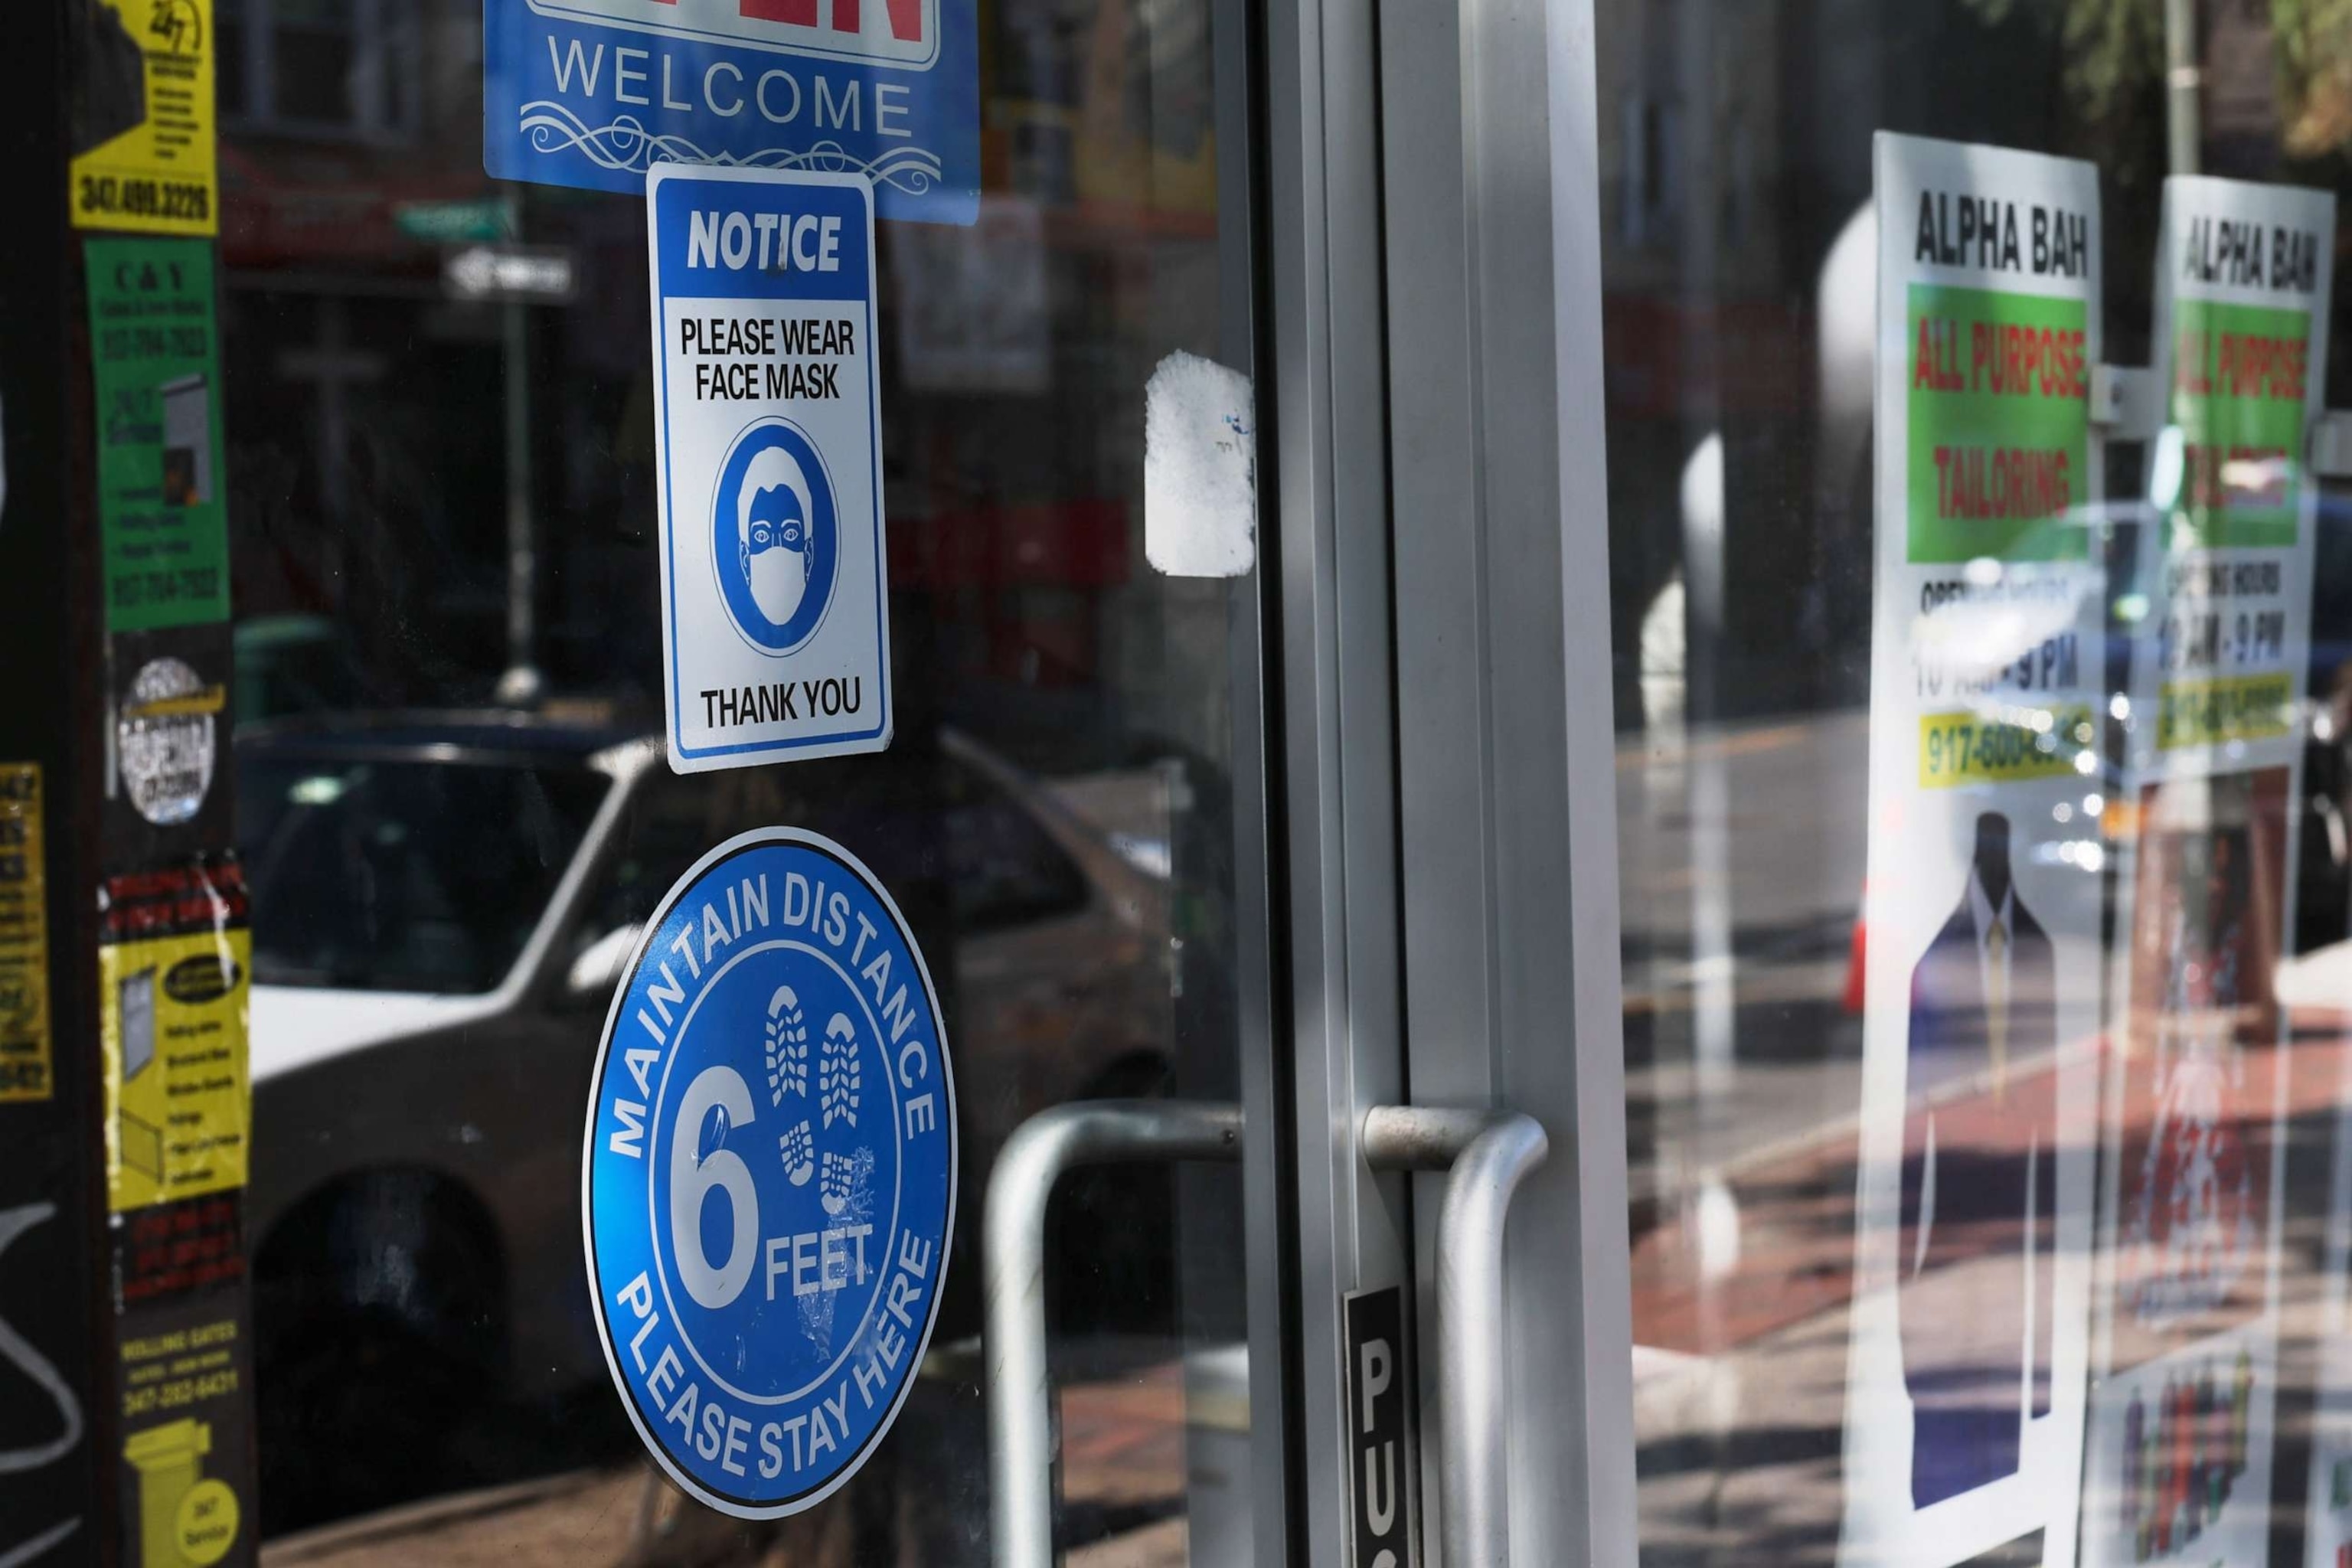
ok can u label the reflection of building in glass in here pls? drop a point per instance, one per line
(1982, 997)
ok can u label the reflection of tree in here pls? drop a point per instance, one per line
(2315, 64)
(2114, 51)
(2114, 54)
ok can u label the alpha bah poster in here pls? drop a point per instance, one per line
(2185, 1347)
(1980, 1073)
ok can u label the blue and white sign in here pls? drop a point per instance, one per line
(770, 1186)
(775, 585)
(595, 93)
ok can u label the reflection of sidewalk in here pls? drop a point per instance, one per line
(1124, 1487)
(1741, 851)
(1740, 1375)
(583, 1517)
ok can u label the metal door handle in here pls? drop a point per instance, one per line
(1486, 1154)
(1013, 1285)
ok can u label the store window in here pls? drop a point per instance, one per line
(1983, 961)
(392, 818)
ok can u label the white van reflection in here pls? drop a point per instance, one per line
(443, 904)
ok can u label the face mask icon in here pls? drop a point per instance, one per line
(775, 536)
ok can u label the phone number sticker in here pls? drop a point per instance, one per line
(1966, 748)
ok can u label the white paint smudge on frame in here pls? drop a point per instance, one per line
(1200, 469)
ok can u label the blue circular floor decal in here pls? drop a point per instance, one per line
(769, 1187)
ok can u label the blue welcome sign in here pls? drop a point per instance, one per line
(769, 1183)
(592, 93)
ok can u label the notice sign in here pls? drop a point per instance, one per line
(595, 93)
(162, 509)
(775, 603)
(1974, 1198)
(144, 151)
(768, 1196)
(2186, 1337)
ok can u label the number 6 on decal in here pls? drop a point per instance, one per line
(719, 1101)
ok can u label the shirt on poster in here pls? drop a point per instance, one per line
(1981, 998)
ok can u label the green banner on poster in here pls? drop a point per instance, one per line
(2238, 393)
(162, 518)
(1998, 395)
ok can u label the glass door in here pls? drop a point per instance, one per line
(457, 819)
(1972, 898)
(1461, 1124)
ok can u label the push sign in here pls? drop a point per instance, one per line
(775, 603)
(1380, 1475)
(768, 1189)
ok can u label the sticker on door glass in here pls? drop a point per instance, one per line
(769, 1185)
(595, 93)
(175, 953)
(163, 514)
(143, 150)
(775, 597)
(27, 1068)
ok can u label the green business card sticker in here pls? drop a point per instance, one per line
(162, 481)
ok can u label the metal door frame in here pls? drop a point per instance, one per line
(1495, 328)
(1437, 611)
(1326, 583)
(1412, 263)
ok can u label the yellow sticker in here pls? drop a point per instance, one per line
(168, 1461)
(2234, 708)
(1973, 748)
(144, 121)
(26, 1071)
(172, 1027)
(207, 1524)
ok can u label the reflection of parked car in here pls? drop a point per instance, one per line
(442, 906)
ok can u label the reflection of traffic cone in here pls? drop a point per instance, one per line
(1853, 963)
(167, 1458)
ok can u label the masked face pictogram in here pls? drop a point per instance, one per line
(774, 535)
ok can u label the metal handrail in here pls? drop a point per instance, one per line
(1013, 1269)
(1486, 1154)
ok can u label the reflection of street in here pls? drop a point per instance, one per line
(1123, 1495)
(1792, 856)
(1743, 1168)
(1741, 1376)
(1742, 1175)
(1792, 866)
